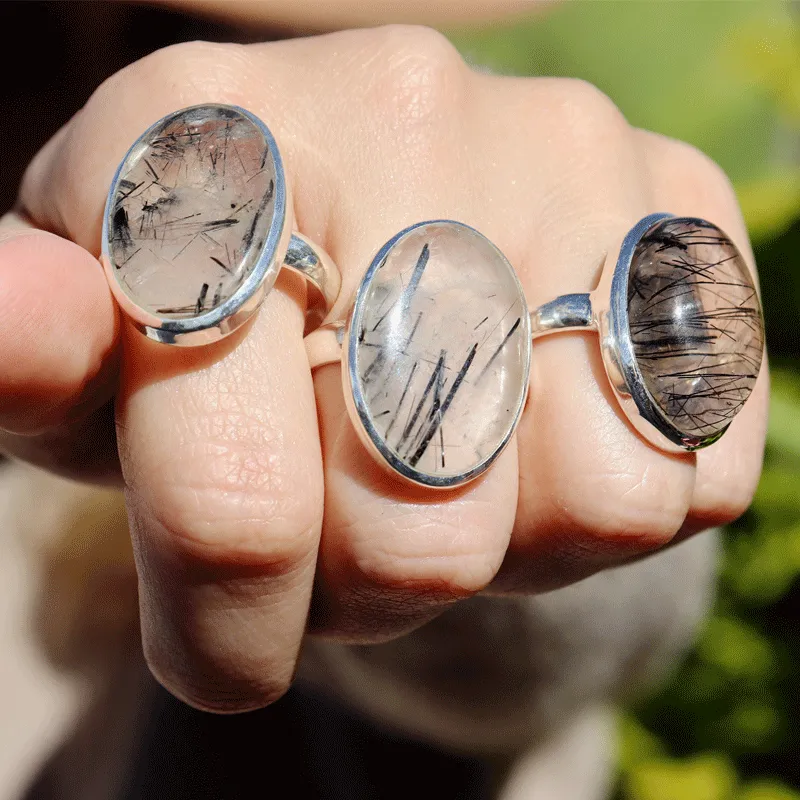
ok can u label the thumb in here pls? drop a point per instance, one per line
(58, 334)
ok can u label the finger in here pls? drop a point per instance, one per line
(224, 488)
(58, 353)
(688, 183)
(219, 446)
(392, 557)
(593, 492)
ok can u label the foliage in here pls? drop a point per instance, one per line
(724, 76)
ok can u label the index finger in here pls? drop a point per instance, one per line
(219, 446)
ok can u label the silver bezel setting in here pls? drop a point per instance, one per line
(244, 302)
(355, 401)
(610, 311)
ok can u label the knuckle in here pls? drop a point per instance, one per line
(583, 115)
(623, 511)
(688, 158)
(175, 74)
(421, 74)
(236, 502)
(444, 576)
(724, 496)
(421, 556)
(702, 181)
(592, 179)
(729, 507)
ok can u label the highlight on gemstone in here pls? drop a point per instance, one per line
(695, 323)
(440, 341)
(190, 211)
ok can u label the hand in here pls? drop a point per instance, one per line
(227, 452)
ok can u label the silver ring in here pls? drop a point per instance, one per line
(198, 223)
(680, 325)
(435, 352)
(676, 309)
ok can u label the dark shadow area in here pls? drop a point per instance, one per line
(301, 747)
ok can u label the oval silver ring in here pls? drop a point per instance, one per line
(680, 325)
(435, 354)
(198, 222)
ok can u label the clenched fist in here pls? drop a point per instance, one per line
(257, 515)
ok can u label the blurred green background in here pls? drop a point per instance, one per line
(724, 76)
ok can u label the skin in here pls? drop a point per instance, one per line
(256, 514)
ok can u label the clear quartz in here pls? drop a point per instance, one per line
(695, 323)
(443, 350)
(191, 209)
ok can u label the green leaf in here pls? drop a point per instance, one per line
(751, 726)
(770, 202)
(706, 777)
(783, 434)
(635, 743)
(767, 790)
(736, 648)
(761, 566)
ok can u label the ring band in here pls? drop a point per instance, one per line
(322, 277)
(198, 224)
(435, 353)
(680, 326)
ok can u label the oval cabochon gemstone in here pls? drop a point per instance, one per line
(695, 324)
(442, 352)
(190, 211)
